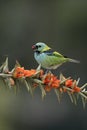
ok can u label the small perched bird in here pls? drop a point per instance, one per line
(48, 58)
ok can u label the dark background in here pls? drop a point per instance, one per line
(62, 24)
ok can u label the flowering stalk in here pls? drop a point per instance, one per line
(34, 78)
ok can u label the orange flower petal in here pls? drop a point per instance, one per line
(76, 89)
(55, 84)
(69, 83)
(18, 72)
(51, 81)
(28, 73)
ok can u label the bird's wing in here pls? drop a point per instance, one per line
(57, 54)
(50, 52)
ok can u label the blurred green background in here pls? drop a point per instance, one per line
(62, 24)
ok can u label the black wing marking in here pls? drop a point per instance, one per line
(49, 52)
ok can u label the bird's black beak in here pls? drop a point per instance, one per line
(34, 47)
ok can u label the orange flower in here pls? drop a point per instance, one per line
(46, 78)
(69, 82)
(51, 81)
(76, 89)
(18, 72)
(55, 83)
(29, 73)
(72, 84)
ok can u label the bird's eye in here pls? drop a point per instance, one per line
(39, 46)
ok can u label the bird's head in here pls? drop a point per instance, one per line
(40, 46)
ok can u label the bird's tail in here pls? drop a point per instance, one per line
(74, 61)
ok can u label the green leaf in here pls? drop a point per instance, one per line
(42, 91)
(39, 67)
(83, 86)
(5, 66)
(58, 94)
(70, 95)
(83, 101)
(83, 95)
(28, 86)
(74, 99)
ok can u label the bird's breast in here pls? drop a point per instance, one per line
(42, 59)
